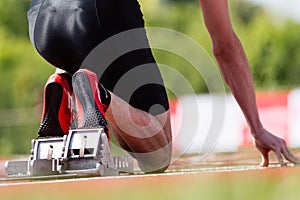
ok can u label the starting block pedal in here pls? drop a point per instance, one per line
(83, 152)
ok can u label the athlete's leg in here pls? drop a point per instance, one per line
(146, 137)
(63, 33)
(139, 110)
(55, 40)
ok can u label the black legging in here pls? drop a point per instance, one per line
(64, 32)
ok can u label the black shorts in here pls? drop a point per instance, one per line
(64, 32)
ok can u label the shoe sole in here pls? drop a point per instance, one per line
(50, 125)
(83, 91)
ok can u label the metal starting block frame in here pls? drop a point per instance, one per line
(83, 152)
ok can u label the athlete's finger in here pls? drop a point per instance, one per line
(264, 155)
(280, 158)
(289, 156)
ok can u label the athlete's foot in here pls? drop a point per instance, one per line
(90, 111)
(56, 117)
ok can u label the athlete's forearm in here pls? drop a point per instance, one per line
(231, 58)
(236, 72)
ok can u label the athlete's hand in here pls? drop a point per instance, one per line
(266, 142)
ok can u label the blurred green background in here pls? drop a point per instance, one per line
(272, 45)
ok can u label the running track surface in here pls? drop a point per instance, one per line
(181, 175)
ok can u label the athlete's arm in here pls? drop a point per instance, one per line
(235, 69)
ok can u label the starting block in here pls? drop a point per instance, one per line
(83, 152)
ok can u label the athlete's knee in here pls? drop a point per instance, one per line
(155, 162)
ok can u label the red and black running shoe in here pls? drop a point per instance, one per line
(56, 117)
(90, 110)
